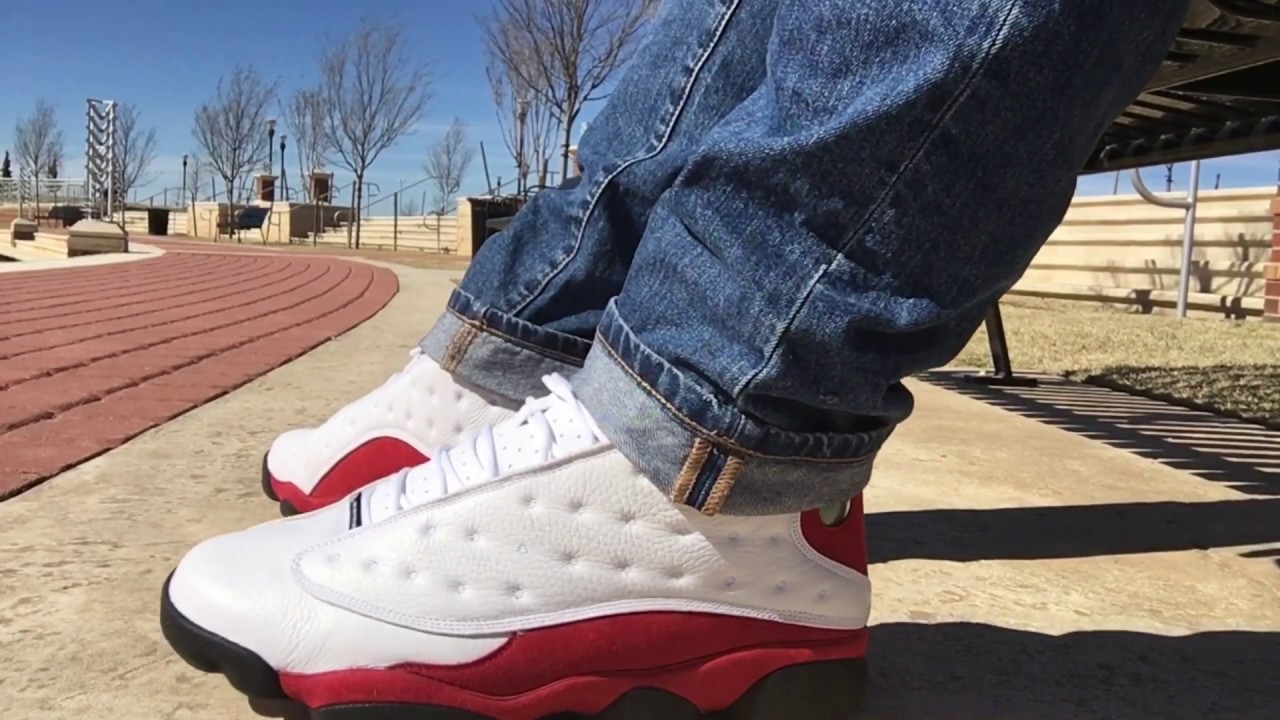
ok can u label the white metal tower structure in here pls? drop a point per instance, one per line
(101, 163)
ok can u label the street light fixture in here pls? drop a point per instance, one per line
(184, 179)
(271, 148)
(284, 181)
(522, 116)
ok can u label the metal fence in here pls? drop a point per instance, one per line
(22, 192)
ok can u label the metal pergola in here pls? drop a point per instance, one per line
(1217, 94)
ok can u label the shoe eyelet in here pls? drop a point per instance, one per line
(835, 514)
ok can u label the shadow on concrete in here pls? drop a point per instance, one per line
(970, 671)
(1072, 531)
(1240, 455)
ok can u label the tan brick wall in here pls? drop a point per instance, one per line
(1123, 251)
(1271, 271)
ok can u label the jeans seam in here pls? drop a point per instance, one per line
(688, 474)
(928, 138)
(458, 347)
(710, 435)
(665, 140)
(479, 326)
(720, 486)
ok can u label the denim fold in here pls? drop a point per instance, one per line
(788, 207)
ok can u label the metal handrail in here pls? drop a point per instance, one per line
(1187, 205)
(337, 192)
(365, 210)
(150, 200)
(437, 215)
(372, 189)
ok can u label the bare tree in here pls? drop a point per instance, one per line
(304, 117)
(525, 118)
(38, 142)
(372, 94)
(135, 150)
(231, 129)
(446, 165)
(195, 167)
(565, 51)
(410, 207)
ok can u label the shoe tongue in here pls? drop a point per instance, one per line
(573, 428)
(516, 444)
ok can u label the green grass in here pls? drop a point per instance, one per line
(1223, 366)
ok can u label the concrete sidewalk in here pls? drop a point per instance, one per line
(1022, 571)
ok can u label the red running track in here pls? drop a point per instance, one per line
(91, 357)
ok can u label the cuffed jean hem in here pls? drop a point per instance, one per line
(499, 354)
(701, 451)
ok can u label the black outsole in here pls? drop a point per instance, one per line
(827, 690)
(286, 508)
(211, 653)
(266, 480)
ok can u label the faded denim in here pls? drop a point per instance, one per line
(787, 207)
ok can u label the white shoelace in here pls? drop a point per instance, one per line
(545, 429)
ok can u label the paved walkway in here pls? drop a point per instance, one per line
(1024, 569)
(90, 357)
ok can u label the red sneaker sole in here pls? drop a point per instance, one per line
(815, 681)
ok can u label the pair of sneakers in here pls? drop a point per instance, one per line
(454, 560)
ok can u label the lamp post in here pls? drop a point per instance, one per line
(184, 180)
(271, 148)
(284, 182)
(522, 115)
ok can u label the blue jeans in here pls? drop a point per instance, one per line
(787, 207)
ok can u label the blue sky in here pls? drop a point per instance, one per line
(1254, 170)
(171, 54)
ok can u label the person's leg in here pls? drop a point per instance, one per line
(530, 301)
(534, 294)
(846, 227)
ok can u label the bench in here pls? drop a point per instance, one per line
(1215, 95)
(495, 225)
(253, 217)
(67, 215)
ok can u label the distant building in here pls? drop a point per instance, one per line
(575, 168)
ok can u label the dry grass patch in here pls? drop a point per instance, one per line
(1224, 366)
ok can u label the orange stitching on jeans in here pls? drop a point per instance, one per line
(724, 483)
(702, 432)
(551, 354)
(458, 348)
(689, 472)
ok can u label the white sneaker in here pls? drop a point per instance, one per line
(391, 428)
(528, 571)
